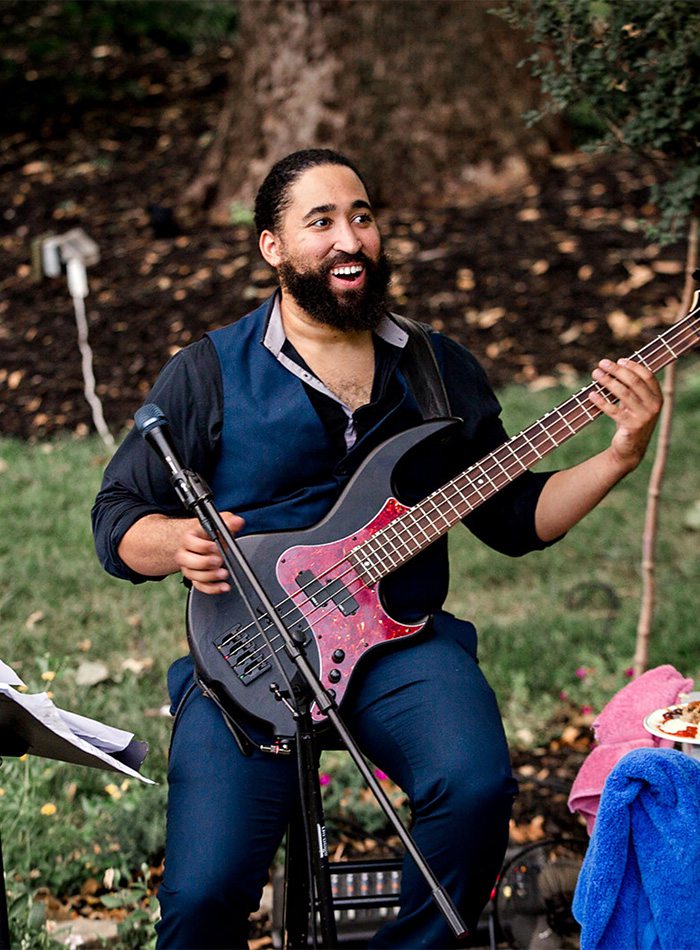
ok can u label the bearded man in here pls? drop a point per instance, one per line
(277, 411)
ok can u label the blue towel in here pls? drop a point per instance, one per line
(639, 887)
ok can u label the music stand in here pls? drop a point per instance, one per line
(24, 731)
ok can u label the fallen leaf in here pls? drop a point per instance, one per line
(622, 326)
(572, 334)
(692, 517)
(136, 666)
(35, 168)
(668, 267)
(90, 673)
(531, 831)
(465, 279)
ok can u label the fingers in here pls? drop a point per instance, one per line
(633, 385)
(636, 410)
(199, 559)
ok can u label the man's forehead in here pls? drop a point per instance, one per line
(324, 186)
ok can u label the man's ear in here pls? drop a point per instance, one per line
(269, 248)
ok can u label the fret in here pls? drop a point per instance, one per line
(458, 515)
(568, 424)
(370, 563)
(403, 531)
(526, 438)
(521, 465)
(425, 534)
(431, 500)
(464, 498)
(476, 484)
(502, 467)
(393, 557)
(664, 343)
(587, 407)
(362, 567)
(408, 534)
(547, 430)
(385, 565)
(386, 535)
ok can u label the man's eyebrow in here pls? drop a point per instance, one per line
(325, 209)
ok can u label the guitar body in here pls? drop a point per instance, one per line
(324, 581)
(322, 594)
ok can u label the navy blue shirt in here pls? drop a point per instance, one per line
(190, 392)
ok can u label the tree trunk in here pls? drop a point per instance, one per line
(644, 626)
(426, 96)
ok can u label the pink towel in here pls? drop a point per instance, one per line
(620, 728)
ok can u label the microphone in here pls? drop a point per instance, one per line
(151, 422)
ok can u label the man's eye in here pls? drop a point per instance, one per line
(320, 223)
(364, 218)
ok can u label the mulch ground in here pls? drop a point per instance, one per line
(539, 282)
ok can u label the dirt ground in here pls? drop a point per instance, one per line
(538, 282)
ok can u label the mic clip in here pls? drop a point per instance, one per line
(191, 488)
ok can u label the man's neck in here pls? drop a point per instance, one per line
(342, 359)
(303, 330)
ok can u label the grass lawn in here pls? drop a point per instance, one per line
(557, 626)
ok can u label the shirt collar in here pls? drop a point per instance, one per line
(274, 332)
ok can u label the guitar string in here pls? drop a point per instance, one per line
(401, 523)
(398, 525)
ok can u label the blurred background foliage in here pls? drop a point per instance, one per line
(634, 68)
(119, 115)
(60, 58)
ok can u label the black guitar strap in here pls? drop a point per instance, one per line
(420, 367)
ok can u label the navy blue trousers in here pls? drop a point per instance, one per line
(424, 714)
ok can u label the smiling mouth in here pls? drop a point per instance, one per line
(348, 272)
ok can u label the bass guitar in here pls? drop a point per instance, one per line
(325, 581)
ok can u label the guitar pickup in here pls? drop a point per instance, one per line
(319, 594)
(245, 656)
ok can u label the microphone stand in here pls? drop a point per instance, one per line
(196, 496)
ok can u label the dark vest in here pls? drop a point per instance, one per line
(276, 466)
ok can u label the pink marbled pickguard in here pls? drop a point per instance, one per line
(357, 633)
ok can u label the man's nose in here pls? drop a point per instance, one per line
(347, 239)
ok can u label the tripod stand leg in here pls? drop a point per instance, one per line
(308, 892)
(297, 886)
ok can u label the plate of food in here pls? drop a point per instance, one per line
(679, 723)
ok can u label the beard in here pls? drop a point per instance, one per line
(360, 309)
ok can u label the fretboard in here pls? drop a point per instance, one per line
(425, 522)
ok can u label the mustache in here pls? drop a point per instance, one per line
(342, 257)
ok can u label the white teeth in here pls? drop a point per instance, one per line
(350, 271)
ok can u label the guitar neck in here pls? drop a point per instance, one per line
(419, 526)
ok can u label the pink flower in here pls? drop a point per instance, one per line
(582, 672)
(324, 778)
(586, 710)
(563, 695)
(629, 672)
(380, 776)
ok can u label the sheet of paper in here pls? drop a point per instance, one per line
(55, 733)
(107, 738)
(8, 675)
